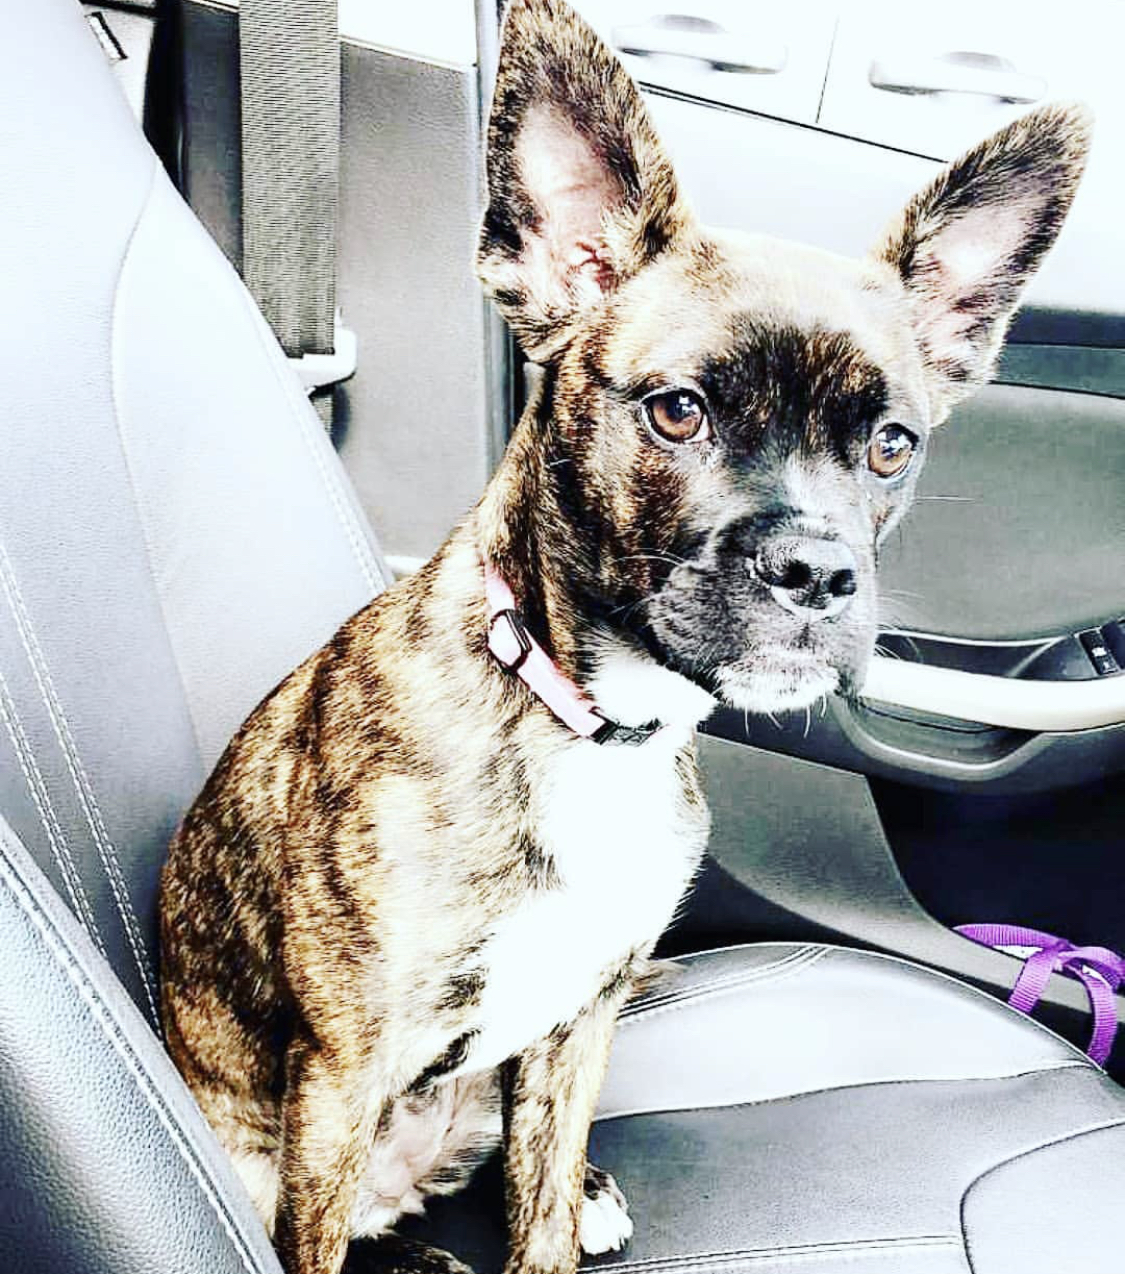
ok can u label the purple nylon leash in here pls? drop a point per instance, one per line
(1100, 971)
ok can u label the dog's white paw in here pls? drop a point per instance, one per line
(605, 1225)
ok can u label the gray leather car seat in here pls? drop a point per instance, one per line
(175, 534)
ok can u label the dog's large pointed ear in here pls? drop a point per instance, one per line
(967, 244)
(580, 192)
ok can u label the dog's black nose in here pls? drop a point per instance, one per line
(812, 577)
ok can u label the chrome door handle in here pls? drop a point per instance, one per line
(697, 39)
(979, 74)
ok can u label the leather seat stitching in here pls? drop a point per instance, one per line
(640, 1111)
(699, 1260)
(852, 955)
(773, 971)
(700, 957)
(766, 969)
(100, 1013)
(1024, 1154)
(90, 808)
(48, 819)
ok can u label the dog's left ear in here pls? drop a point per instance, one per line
(967, 244)
(581, 194)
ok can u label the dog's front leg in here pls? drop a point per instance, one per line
(329, 1120)
(550, 1091)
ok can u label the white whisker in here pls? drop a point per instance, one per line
(653, 557)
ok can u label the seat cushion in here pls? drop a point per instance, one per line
(811, 1108)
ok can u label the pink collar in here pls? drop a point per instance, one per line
(517, 651)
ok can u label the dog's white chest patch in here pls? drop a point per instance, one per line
(624, 845)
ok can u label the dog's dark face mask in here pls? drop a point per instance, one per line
(732, 424)
(743, 463)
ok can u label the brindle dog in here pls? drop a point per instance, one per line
(409, 901)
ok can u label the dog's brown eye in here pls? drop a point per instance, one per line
(678, 415)
(890, 450)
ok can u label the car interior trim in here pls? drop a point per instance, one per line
(1083, 369)
(1056, 706)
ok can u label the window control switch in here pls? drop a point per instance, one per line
(1115, 640)
(1096, 646)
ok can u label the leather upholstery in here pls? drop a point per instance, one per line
(833, 1019)
(175, 531)
(107, 1163)
(780, 1108)
(175, 534)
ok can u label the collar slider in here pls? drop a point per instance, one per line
(512, 649)
(517, 651)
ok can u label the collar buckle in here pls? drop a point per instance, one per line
(614, 733)
(517, 651)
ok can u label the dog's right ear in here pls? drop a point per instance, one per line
(580, 192)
